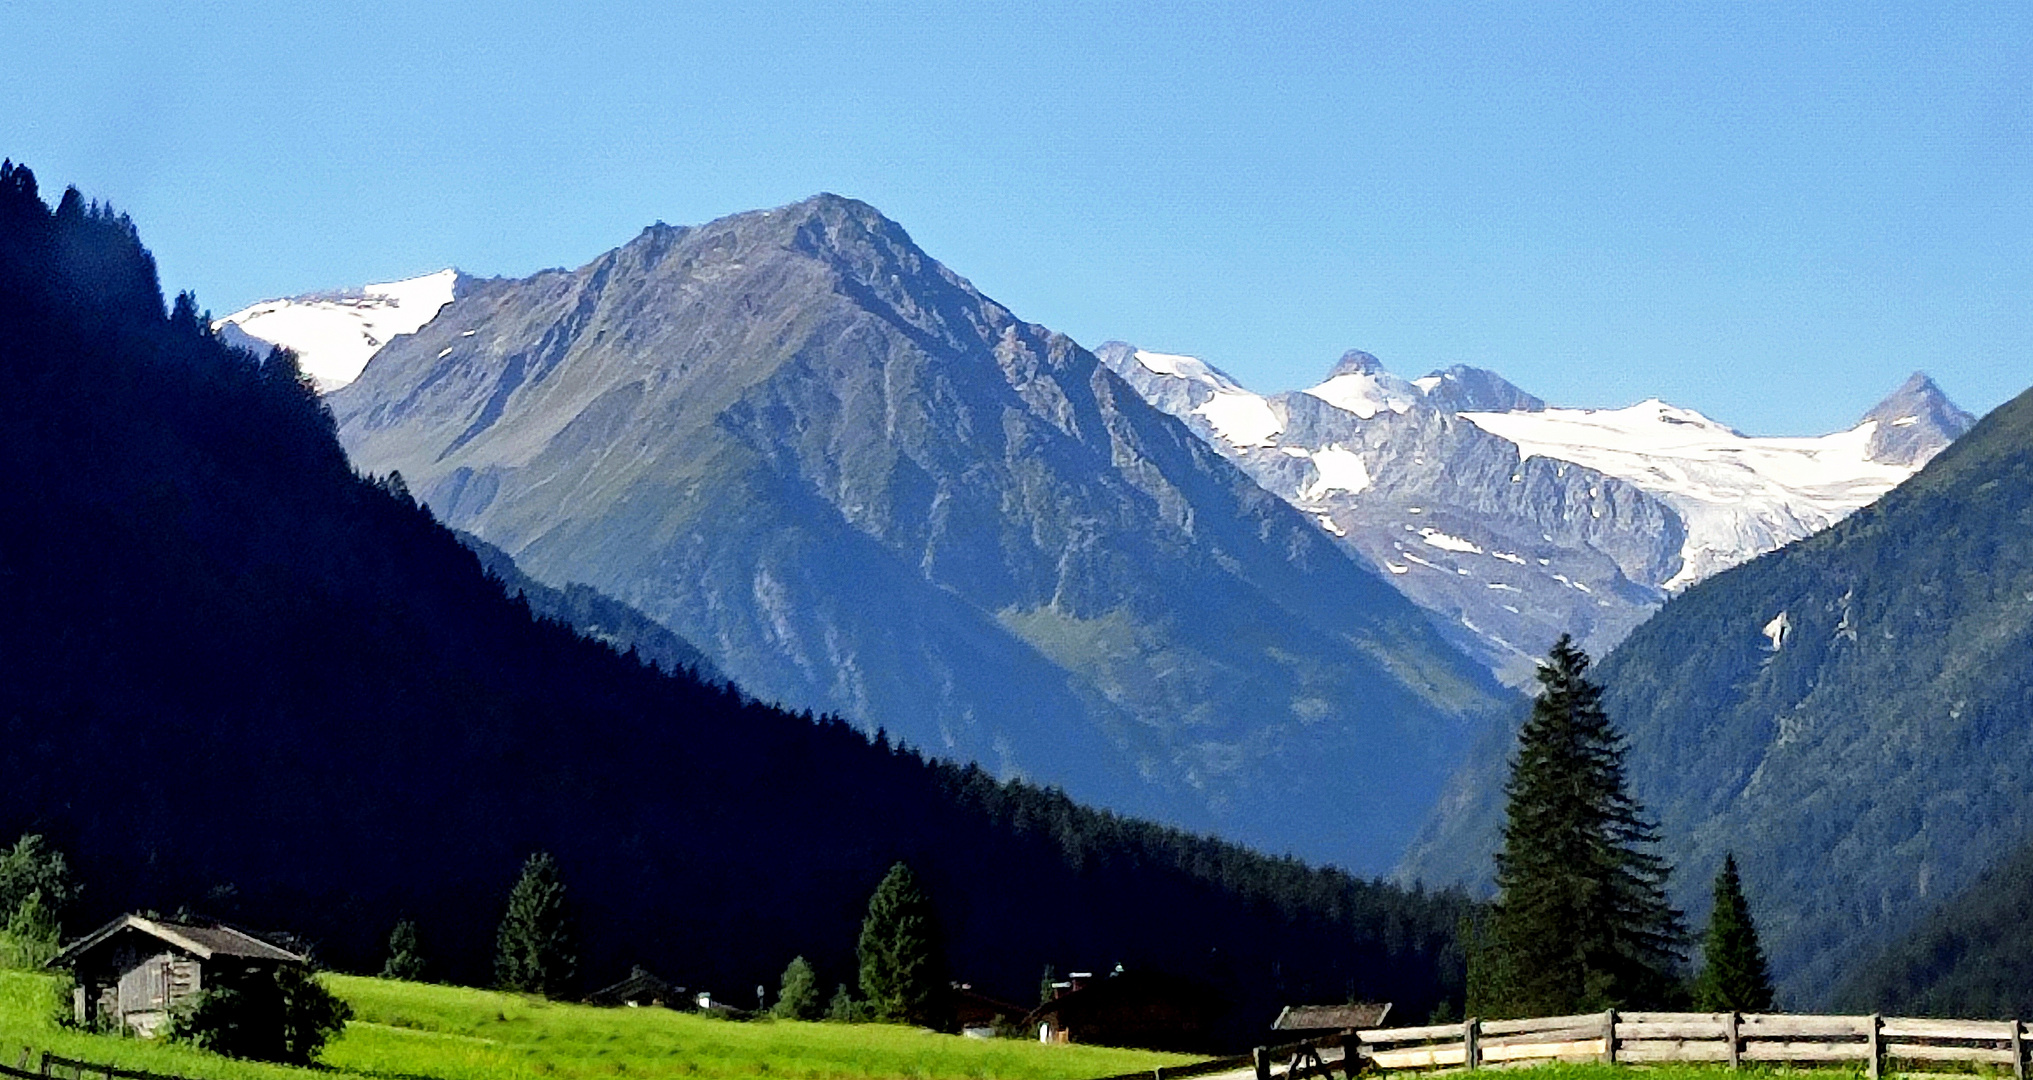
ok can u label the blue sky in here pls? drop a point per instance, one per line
(1768, 212)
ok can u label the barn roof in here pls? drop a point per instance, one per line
(205, 942)
(1350, 1017)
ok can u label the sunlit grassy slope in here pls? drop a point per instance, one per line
(411, 1030)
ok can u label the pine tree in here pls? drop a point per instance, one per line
(903, 977)
(1581, 920)
(1734, 977)
(843, 1008)
(797, 996)
(405, 958)
(536, 950)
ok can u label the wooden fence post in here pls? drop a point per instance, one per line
(1877, 1047)
(2018, 1052)
(1609, 1036)
(1736, 1041)
(45, 1063)
(1263, 1062)
(1471, 1043)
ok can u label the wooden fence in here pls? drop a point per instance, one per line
(64, 1068)
(1879, 1043)
(1876, 1042)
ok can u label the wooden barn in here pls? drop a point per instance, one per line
(1139, 1009)
(640, 990)
(133, 971)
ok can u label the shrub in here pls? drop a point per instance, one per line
(283, 1015)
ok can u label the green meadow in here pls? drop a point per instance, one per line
(412, 1031)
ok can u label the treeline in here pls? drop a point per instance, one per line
(239, 680)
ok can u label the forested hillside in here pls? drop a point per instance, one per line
(1970, 957)
(1852, 715)
(237, 678)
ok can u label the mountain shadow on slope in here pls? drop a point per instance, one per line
(1849, 714)
(239, 679)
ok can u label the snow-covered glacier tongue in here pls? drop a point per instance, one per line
(334, 334)
(1512, 522)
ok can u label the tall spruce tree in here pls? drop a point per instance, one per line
(537, 948)
(1733, 976)
(902, 953)
(405, 956)
(797, 995)
(1581, 920)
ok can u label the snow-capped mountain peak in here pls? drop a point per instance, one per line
(334, 334)
(1554, 519)
(1915, 422)
(1359, 384)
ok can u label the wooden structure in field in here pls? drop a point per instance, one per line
(1139, 1009)
(640, 990)
(1880, 1044)
(133, 971)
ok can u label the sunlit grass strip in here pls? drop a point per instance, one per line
(412, 1030)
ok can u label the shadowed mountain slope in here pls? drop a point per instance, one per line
(239, 678)
(1852, 715)
(863, 487)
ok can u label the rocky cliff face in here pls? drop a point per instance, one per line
(863, 487)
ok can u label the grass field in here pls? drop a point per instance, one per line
(409, 1031)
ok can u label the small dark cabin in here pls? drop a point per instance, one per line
(133, 970)
(640, 990)
(1314, 1021)
(1139, 1009)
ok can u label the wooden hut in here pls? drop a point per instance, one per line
(1140, 1009)
(132, 971)
(640, 990)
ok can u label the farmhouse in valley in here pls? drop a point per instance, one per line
(1142, 1009)
(640, 990)
(134, 970)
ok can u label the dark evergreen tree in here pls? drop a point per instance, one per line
(798, 995)
(902, 953)
(1733, 975)
(842, 1008)
(1581, 920)
(537, 949)
(405, 957)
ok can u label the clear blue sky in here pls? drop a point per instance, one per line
(1769, 212)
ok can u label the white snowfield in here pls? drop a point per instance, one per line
(1367, 393)
(334, 335)
(1240, 417)
(1739, 496)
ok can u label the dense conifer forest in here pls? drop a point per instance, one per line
(239, 680)
(1968, 958)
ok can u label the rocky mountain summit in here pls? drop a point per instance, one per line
(862, 487)
(1514, 522)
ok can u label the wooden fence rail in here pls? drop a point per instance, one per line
(63, 1068)
(1637, 1037)
(1722, 1038)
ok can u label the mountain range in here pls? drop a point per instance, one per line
(865, 489)
(1848, 715)
(1513, 522)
